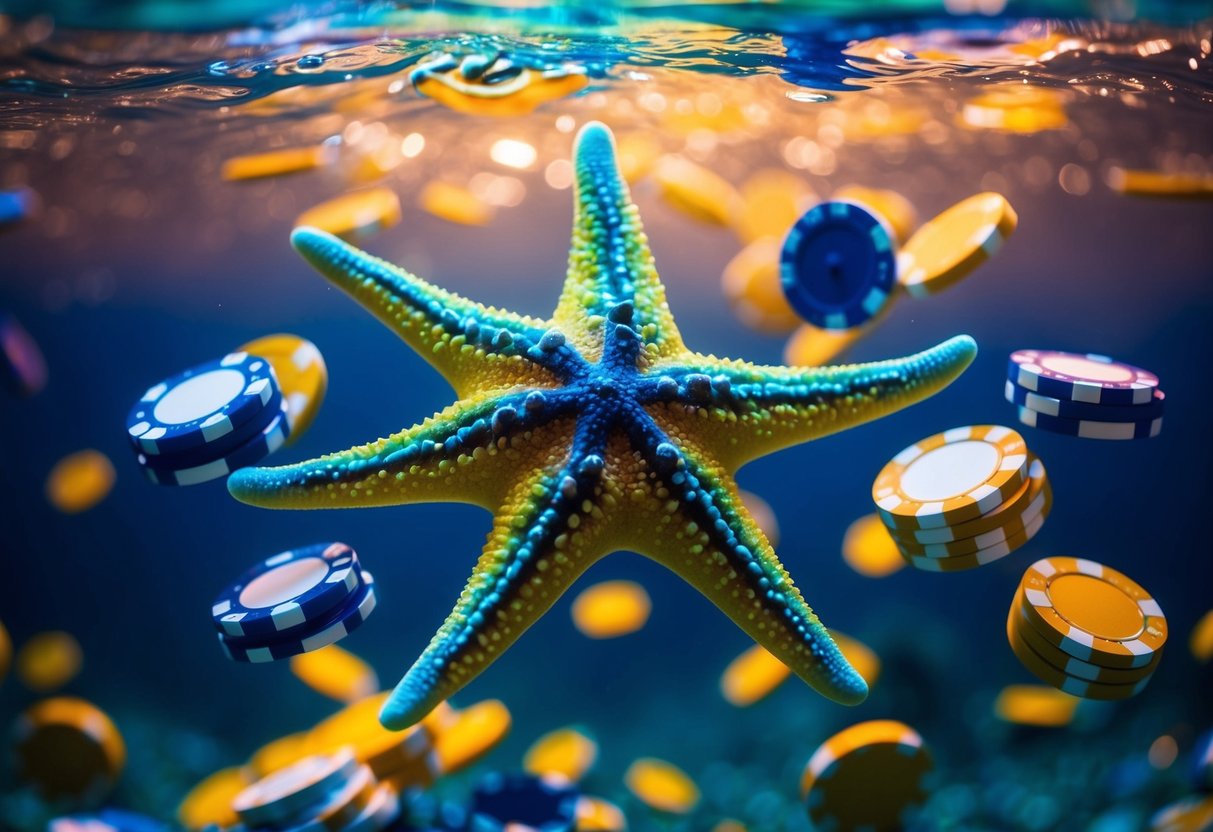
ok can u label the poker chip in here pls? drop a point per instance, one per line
(1143, 429)
(1043, 706)
(1092, 612)
(951, 477)
(475, 732)
(335, 672)
(276, 798)
(812, 346)
(210, 801)
(277, 162)
(982, 557)
(107, 820)
(380, 812)
(662, 786)
(890, 206)
(837, 266)
(1010, 522)
(1055, 656)
(287, 591)
(505, 802)
(343, 806)
(1058, 678)
(949, 247)
(696, 191)
(328, 629)
(597, 815)
(49, 660)
(1191, 814)
(354, 215)
(1090, 378)
(270, 439)
(869, 548)
(752, 676)
(202, 405)
(22, 366)
(1160, 183)
(454, 203)
(866, 777)
(565, 753)
(611, 609)
(301, 374)
(1063, 409)
(67, 748)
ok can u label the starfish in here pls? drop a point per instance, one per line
(595, 431)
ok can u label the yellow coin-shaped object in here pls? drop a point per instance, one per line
(49, 660)
(637, 153)
(662, 786)
(611, 609)
(355, 215)
(79, 481)
(889, 206)
(1161, 183)
(947, 248)
(68, 748)
(751, 284)
(278, 753)
(210, 802)
(406, 757)
(752, 676)
(277, 162)
(870, 550)
(1192, 814)
(729, 825)
(772, 200)
(597, 815)
(302, 375)
(866, 777)
(1200, 642)
(1016, 109)
(565, 753)
(454, 203)
(861, 657)
(812, 346)
(696, 191)
(6, 651)
(1038, 705)
(441, 718)
(517, 95)
(335, 672)
(763, 514)
(475, 733)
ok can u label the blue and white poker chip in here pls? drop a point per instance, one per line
(837, 267)
(1087, 429)
(106, 820)
(1090, 378)
(1064, 409)
(329, 629)
(287, 591)
(518, 801)
(160, 471)
(202, 405)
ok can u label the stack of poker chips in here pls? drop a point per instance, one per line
(1091, 396)
(209, 420)
(294, 602)
(1085, 628)
(963, 498)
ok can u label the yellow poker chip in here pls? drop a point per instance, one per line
(662, 786)
(276, 799)
(752, 676)
(1161, 183)
(49, 660)
(869, 549)
(1192, 814)
(772, 200)
(454, 203)
(1092, 612)
(278, 162)
(1016, 109)
(982, 557)
(597, 815)
(210, 802)
(302, 376)
(68, 748)
(950, 246)
(565, 753)
(354, 215)
(1200, 642)
(278, 753)
(476, 731)
(890, 206)
(951, 477)
(1014, 506)
(696, 191)
(1058, 678)
(866, 777)
(1013, 523)
(813, 346)
(1024, 630)
(751, 284)
(1043, 706)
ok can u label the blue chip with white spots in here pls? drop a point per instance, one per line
(503, 802)
(838, 266)
(286, 592)
(205, 407)
(164, 470)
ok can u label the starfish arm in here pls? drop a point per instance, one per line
(707, 537)
(544, 537)
(761, 409)
(466, 453)
(470, 344)
(610, 262)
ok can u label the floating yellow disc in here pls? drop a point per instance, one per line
(454, 203)
(729, 825)
(772, 200)
(950, 246)
(696, 191)
(1200, 642)
(752, 676)
(475, 733)
(79, 481)
(812, 346)
(336, 673)
(637, 153)
(1016, 109)
(49, 660)
(597, 815)
(210, 802)
(1161, 183)
(516, 96)
(277, 162)
(889, 206)
(68, 748)
(751, 284)
(662, 786)
(1192, 814)
(355, 215)
(301, 373)
(611, 609)
(278, 753)
(1038, 705)
(869, 549)
(565, 753)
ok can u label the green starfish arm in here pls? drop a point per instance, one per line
(753, 410)
(467, 453)
(544, 537)
(470, 344)
(609, 261)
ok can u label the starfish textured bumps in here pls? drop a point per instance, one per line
(592, 432)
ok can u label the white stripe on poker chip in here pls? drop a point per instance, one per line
(273, 436)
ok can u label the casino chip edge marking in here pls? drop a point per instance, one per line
(260, 446)
(1084, 411)
(1024, 368)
